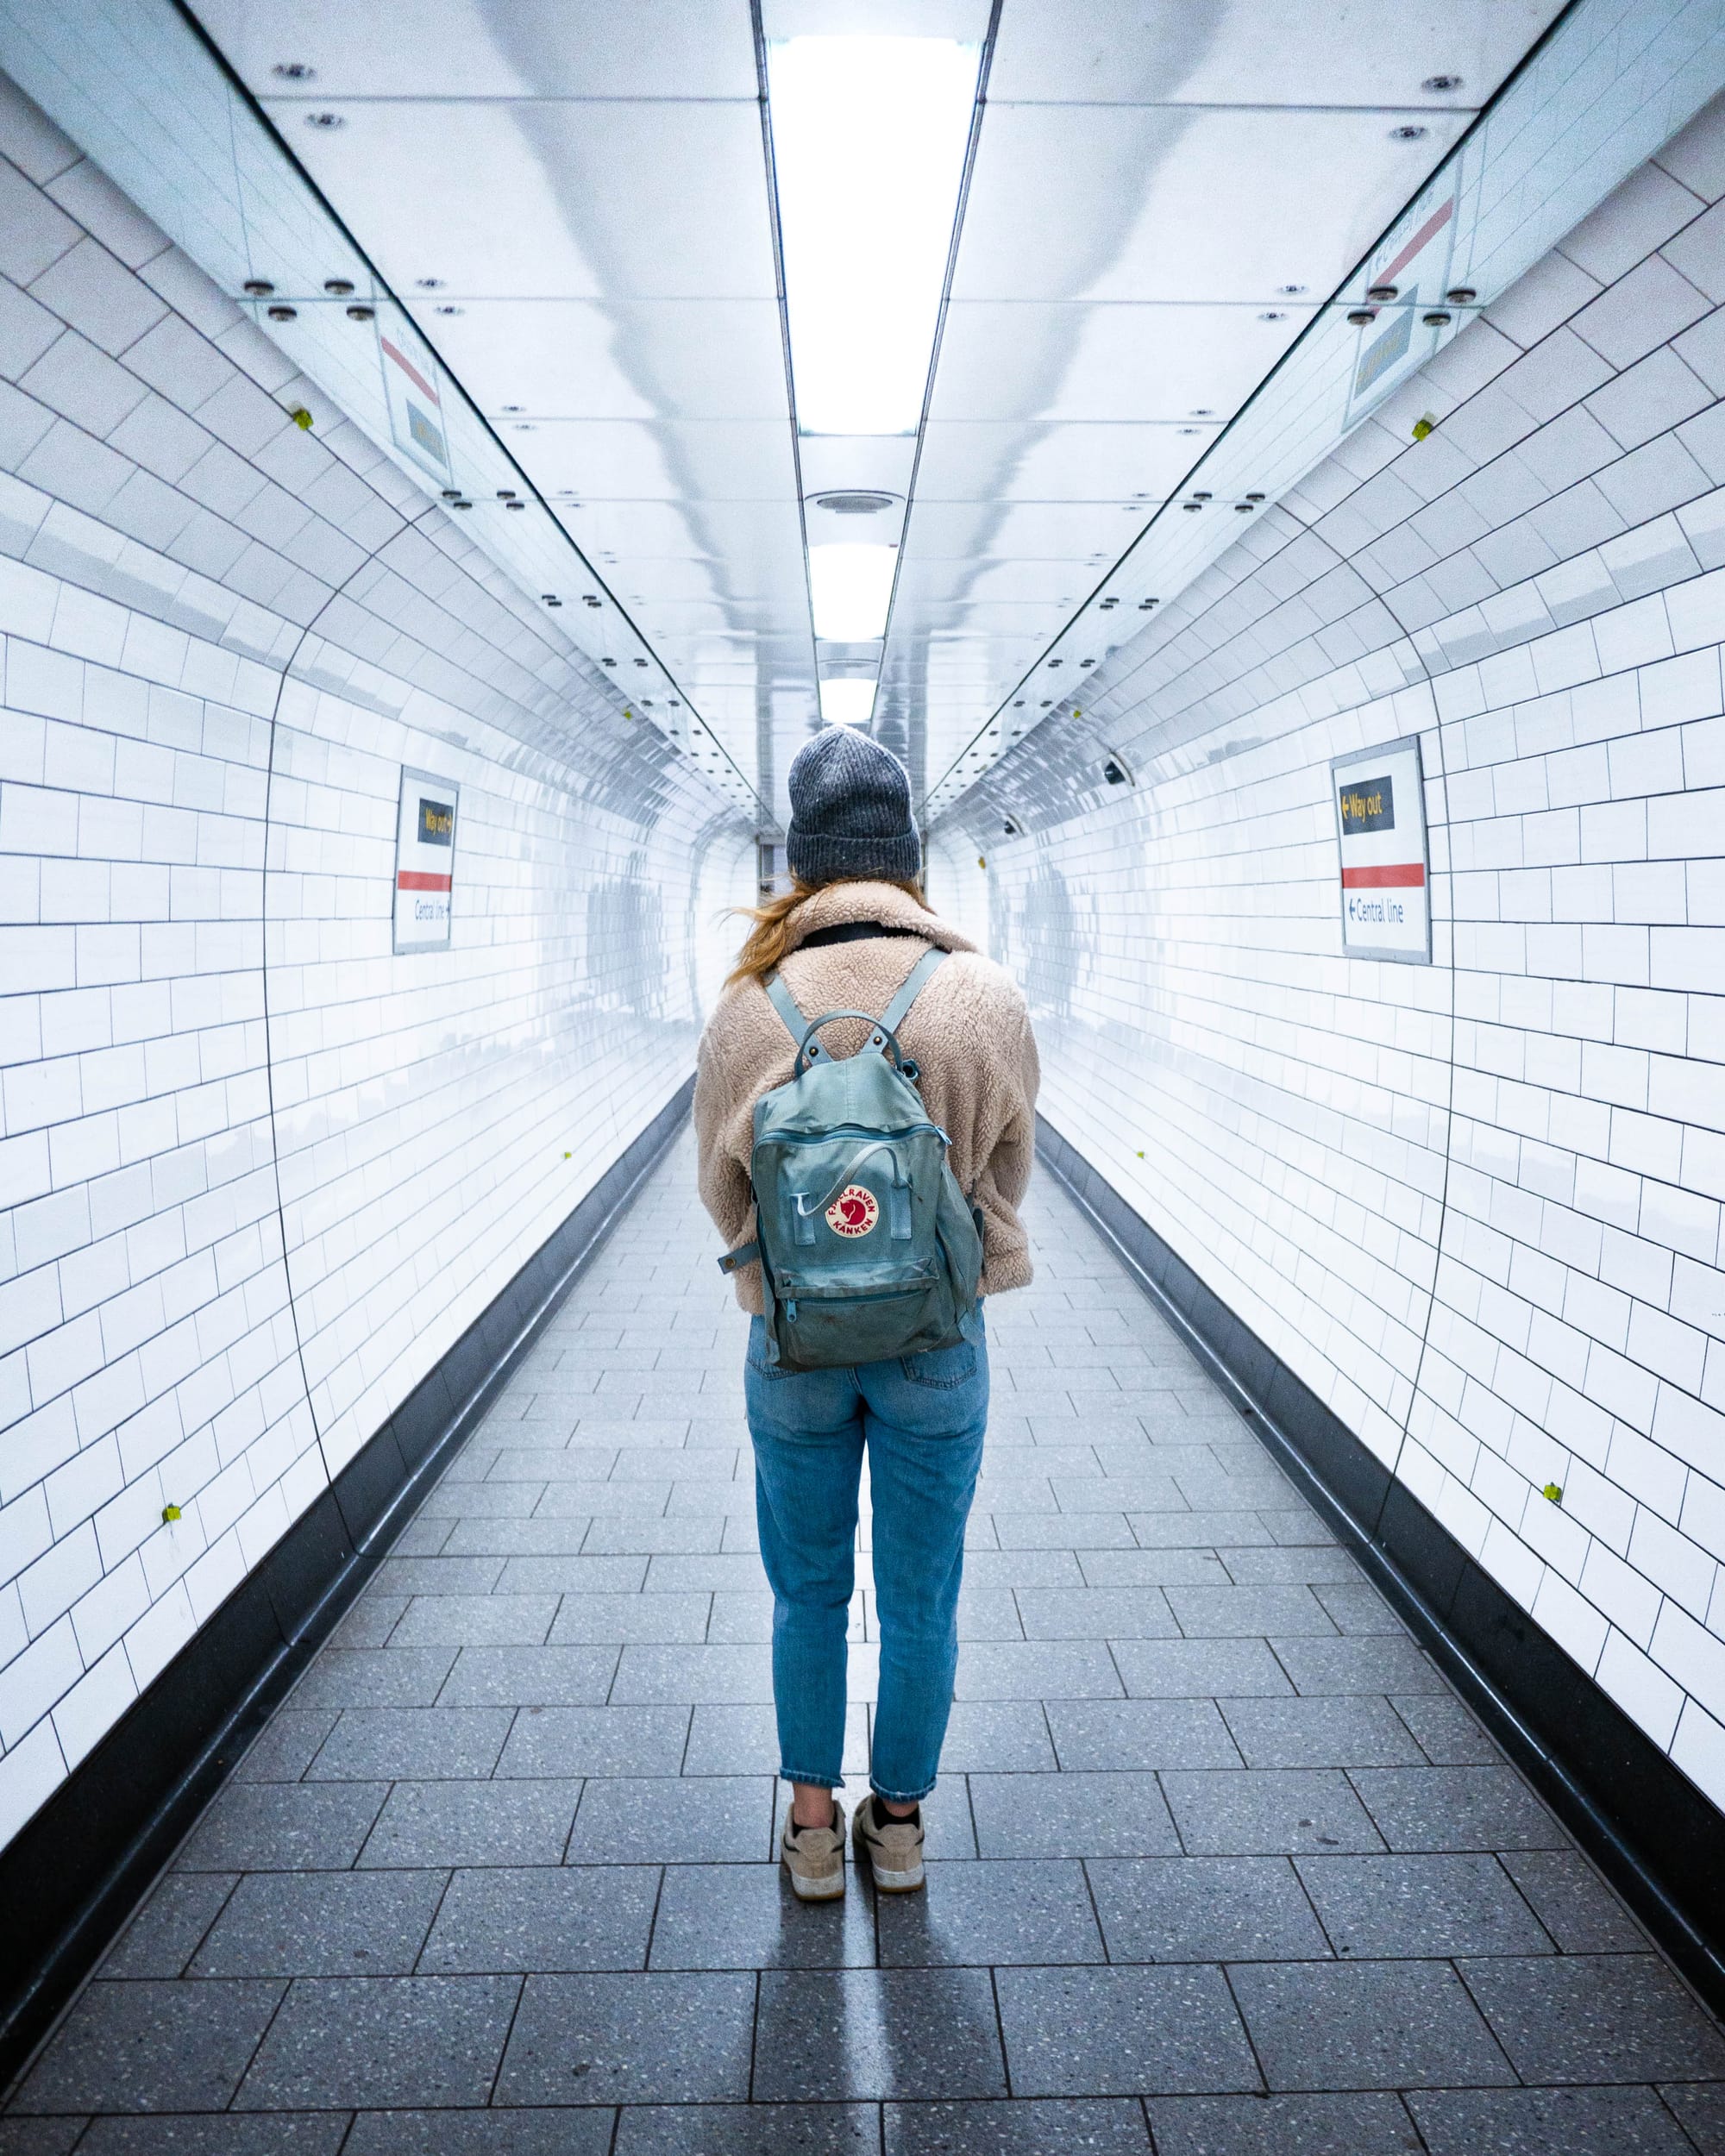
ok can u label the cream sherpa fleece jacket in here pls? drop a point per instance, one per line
(968, 1030)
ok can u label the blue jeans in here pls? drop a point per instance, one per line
(921, 1417)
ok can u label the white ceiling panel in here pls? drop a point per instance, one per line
(998, 461)
(580, 200)
(1160, 203)
(1261, 52)
(572, 358)
(664, 460)
(490, 48)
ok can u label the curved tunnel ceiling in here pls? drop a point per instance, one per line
(579, 213)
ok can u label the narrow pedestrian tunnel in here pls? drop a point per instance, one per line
(1218, 1855)
(1261, 480)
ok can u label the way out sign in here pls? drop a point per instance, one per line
(1380, 799)
(424, 862)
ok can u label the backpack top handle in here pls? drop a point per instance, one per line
(882, 1040)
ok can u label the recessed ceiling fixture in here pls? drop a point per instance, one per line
(852, 588)
(857, 502)
(847, 702)
(868, 139)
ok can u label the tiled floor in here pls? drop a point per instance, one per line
(1221, 1861)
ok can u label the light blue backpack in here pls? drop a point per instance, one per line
(868, 1248)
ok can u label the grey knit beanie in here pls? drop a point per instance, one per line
(850, 812)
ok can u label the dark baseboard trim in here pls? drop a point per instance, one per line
(1646, 1826)
(71, 1876)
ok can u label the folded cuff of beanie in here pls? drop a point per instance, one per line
(825, 857)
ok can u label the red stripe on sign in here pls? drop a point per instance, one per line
(420, 879)
(1399, 875)
(411, 372)
(1435, 223)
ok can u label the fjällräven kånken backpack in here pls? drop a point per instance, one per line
(868, 1248)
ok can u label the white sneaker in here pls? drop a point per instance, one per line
(815, 1857)
(893, 1850)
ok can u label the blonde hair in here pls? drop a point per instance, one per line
(767, 943)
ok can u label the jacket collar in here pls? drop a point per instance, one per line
(883, 902)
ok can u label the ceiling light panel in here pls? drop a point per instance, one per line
(869, 141)
(850, 587)
(847, 701)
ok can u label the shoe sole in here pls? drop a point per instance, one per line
(807, 1890)
(887, 1882)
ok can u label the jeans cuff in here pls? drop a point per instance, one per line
(903, 1796)
(813, 1781)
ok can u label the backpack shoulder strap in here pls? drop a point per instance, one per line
(915, 982)
(787, 1007)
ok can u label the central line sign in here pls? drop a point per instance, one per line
(1380, 797)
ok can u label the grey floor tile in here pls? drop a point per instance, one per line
(400, 1574)
(547, 2132)
(744, 1740)
(286, 1746)
(1356, 1731)
(1701, 2107)
(1249, 1612)
(1122, 2032)
(650, 2038)
(1205, 1908)
(1379, 1907)
(1096, 1612)
(1025, 1912)
(1357, 1666)
(1126, 1570)
(1263, 1563)
(146, 2046)
(1002, 1736)
(745, 1916)
(371, 1620)
(684, 1675)
(1547, 2123)
(1039, 1669)
(653, 1537)
(374, 1677)
(1457, 1808)
(447, 1823)
(1448, 1734)
(427, 1743)
(580, 1741)
(283, 1826)
(715, 1819)
(1102, 2127)
(322, 1924)
(839, 2035)
(1597, 2017)
(753, 2130)
(383, 2042)
(1071, 1814)
(1021, 1568)
(1135, 1735)
(55, 2137)
(1573, 1902)
(475, 1620)
(653, 1618)
(1206, 1530)
(1201, 1668)
(529, 1677)
(1357, 1608)
(1268, 1812)
(165, 1933)
(507, 1919)
(1366, 2025)
(220, 2134)
(1281, 2125)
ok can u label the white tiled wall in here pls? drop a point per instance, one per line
(1477, 1207)
(257, 1174)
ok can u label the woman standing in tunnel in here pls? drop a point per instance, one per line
(849, 936)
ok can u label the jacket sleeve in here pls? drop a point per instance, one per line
(724, 1179)
(1004, 1174)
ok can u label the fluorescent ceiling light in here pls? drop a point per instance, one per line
(847, 702)
(850, 587)
(868, 139)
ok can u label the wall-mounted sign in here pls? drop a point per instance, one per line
(1386, 877)
(1413, 263)
(424, 862)
(415, 402)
